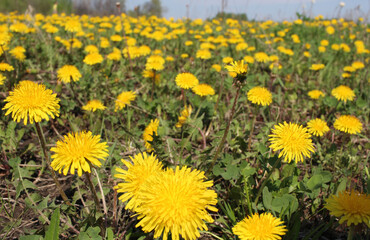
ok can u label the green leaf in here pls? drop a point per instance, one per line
(232, 172)
(31, 237)
(266, 198)
(92, 233)
(53, 231)
(109, 234)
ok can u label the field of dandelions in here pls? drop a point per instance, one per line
(145, 128)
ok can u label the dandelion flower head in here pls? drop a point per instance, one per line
(73, 25)
(93, 58)
(124, 99)
(68, 73)
(155, 62)
(141, 167)
(203, 90)
(349, 124)
(2, 79)
(149, 131)
(351, 207)
(94, 105)
(261, 57)
(237, 68)
(315, 94)
(317, 67)
(184, 116)
(260, 96)
(186, 80)
(31, 102)
(78, 151)
(176, 201)
(6, 67)
(317, 127)
(293, 141)
(260, 226)
(343, 93)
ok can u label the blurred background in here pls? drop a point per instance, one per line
(277, 10)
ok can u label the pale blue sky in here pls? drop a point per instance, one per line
(263, 9)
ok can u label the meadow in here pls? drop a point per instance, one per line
(118, 127)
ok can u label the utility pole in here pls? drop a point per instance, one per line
(187, 11)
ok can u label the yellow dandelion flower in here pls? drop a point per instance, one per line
(343, 93)
(91, 49)
(94, 105)
(349, 69)
(176, 202)
(237, 67)
(149, 131)
(78, 151)
(6, 67)
(124, 99)
(152, 74)
(260, 96)
(330, 30)
(203, 90)
(317, 67)
(227, 60)
(216, 67)
(4, 38)
(349, 124)
(351, 207)
(248, 59)
(293, 140)
(317, 127)
(186, 80)
(261, 57)
(18, 53)
(346, 75)
(358, 65)
(258, 227)
(93, 58)
(73, 25)
(155, 62)
(203, 54)
(68, 73)
(31, 101)
(184, 116)
(2, 79)
(139, 170)
(184, 55)
(316, 94)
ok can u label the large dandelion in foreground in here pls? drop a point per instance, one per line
(259, 227)
(293, 140)
(139, 169)
(31, 102)
(176, 201)
(352, 207)
(78, 151)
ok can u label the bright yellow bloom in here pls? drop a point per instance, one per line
(124, 99)
(248, 59)
(203, 90)
(358, 65)
(317, 127)
(139, 170)
(155, 62)
(176, 202)
(349, 69)
(18, 53)
(216, 67)
(227, 60)
(2, 79)
(78, 151)
(6, 67)
(203, 54)
(293, 140)
(260, 96)
(261, 57)
(343, 93)
(186, 80)
(330, 30)
(94, 105)
(73, 25)
(316, 94)
(93, 58)
(31, 101)
(352, 207)
(152, 74)
(237, 67)
(348, 123)
(149, 131)
(259, 227)
(68, 73)
(184, 116)
(317, 67)
(91, 49)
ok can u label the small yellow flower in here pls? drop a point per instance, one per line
(260, 96)
(68, 73)
(18, 53)
(93, 58)
(349, 124)
(155, 62)
(317, 67)
(2, 79)
(237, 67)
(94, 105)
(203, 54)
(203, 90)
(261, 57)
(6, 67)
(184, 116)
(317, 127)
(149, 131)
(186, 80)
(343, 93)
(73, 25)
(216, 67)
(78, 151)
(124, 99)
(316, 94)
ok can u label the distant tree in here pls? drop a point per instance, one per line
(98, 7)
(154, 7)
(236, 16)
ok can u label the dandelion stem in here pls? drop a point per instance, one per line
(46, 156)
(246, 188)
(221, 145)
(92, 188)
(252, 129)
(266, 180)
(351, 232)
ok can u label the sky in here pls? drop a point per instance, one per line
(263, 9)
